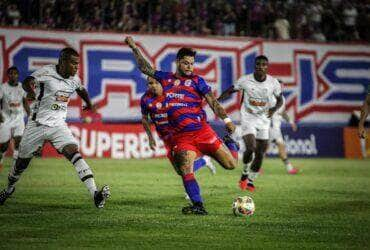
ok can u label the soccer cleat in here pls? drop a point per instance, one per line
(246, 185)
(101, 196)
(243, 184)
(194, 209)
(251, 187)
(5, 195)
(210, 165)
(293, 171)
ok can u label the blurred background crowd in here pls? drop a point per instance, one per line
(312, 20)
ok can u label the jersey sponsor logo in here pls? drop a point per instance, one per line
(257, 102)
(56, 107)
(164, 115)
(62, 96)
(177, 82)
(177, 104)
(175, 95)
(158, 105)
(188, 83)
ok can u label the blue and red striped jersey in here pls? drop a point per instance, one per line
(184, 97)
(155, 107)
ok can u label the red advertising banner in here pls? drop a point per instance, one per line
(353, 146)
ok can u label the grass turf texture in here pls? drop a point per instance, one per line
(327, 205)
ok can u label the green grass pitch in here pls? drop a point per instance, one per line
(327, 205)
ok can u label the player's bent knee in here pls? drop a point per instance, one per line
(69, 151)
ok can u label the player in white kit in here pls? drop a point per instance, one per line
(12, 103)
(259, 89)
(53, 86)
(277, 137)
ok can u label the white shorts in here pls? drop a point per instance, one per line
(276, 135)
(255, 125)
(36, 134)
(10, 130)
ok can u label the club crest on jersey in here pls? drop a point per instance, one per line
(187, 83)
(158, 105)
(177, 82)
(62, 96)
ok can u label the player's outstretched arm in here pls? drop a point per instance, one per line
(27, 86)
(279, 103)
(82, 92)
(146, 125)
(144, 65)
(364, 113)
(227, 93)
(219, 111)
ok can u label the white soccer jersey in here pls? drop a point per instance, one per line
(12, 101)
(52, 96)
(257, 98)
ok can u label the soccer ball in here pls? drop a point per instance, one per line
(243, 206)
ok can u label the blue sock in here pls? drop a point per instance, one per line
(192, 188)
(233, 147)
(199, 163)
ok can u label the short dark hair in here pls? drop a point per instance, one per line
(261, 57)
(67, 52)
(185, 52)
(12, 68)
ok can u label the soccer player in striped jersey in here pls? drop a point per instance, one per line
(153, 107)
(193, 136)
(54, 84)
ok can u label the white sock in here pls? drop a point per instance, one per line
(288, 166)
(84, 172)
(252, 175)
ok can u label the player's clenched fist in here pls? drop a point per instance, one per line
(130, 42)
(230, 127)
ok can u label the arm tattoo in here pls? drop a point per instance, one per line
(216, 106)
(144, 65)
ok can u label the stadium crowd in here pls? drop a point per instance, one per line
(315, 20)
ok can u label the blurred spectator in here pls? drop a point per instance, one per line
(350, 17)
(13, 15)
(282, 27)
(330, 20)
